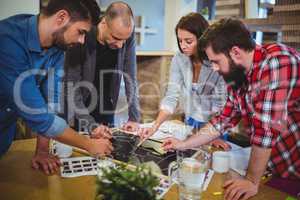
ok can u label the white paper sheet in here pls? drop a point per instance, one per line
(239, 158)
(162, 188)
(170, 129)
(208, 179)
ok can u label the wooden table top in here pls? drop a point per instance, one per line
(19, 181)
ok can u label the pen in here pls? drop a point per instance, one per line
(141, 142)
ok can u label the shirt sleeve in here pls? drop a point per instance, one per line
(170, 101)
(272, 99)
(219, 95)
(229, 116)
(130, 79)
(18, 82)
(51, 88)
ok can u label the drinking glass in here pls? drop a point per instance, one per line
(189, 172)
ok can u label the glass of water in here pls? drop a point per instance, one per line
(191, 173)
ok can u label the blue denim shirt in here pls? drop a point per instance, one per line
(29, 80)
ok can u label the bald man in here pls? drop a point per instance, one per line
(98, 66)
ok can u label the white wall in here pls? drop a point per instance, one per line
(153, 12)
(174, 10)
(12, 7)
(251, 8)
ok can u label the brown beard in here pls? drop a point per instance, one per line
(59, 39)
(236, 77)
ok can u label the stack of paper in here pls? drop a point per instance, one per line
(170, 129)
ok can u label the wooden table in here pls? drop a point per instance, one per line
(19, 181)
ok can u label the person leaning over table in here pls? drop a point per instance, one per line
(264, 90)
(192, 79)
(108, 51)
(31, 64)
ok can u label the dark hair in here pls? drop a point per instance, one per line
(78, 9)
(225, 34)
(119, 9)
(194, 23)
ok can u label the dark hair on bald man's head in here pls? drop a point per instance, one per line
(77, 9)
(119, 9)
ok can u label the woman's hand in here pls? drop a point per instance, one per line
(171, 144)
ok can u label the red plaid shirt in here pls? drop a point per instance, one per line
(269, 107)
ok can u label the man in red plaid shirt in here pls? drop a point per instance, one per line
(263, 91)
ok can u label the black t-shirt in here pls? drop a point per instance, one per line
(106, 62)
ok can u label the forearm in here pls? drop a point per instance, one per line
(71, 137)
(42, 144)
(257, 163)
(203, 136)
(162, 116)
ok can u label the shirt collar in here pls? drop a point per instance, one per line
(206, 63)
(33, 41)
(258, 54)
(33, 35)
(257, 57)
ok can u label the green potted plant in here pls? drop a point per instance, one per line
(122, 184)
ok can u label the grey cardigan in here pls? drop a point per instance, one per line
(209, 96)
(80, 66)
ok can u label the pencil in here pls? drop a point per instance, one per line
(141, 142)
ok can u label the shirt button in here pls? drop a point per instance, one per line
(8, 109)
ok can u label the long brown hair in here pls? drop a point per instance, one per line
(196, 24)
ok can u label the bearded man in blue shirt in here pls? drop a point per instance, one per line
(31, 68)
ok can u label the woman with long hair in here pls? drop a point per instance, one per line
(193, 82)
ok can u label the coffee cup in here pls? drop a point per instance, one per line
(63, 150)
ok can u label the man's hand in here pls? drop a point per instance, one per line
(239, 189)
(131, 126)
(170, 144)
(243, 189)
(100, 147)
(101, 132)
(42, 160)
(219, 143)
(96, 147)
(46, 162)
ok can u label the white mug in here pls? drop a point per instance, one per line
(63, 150)
(220, 161)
